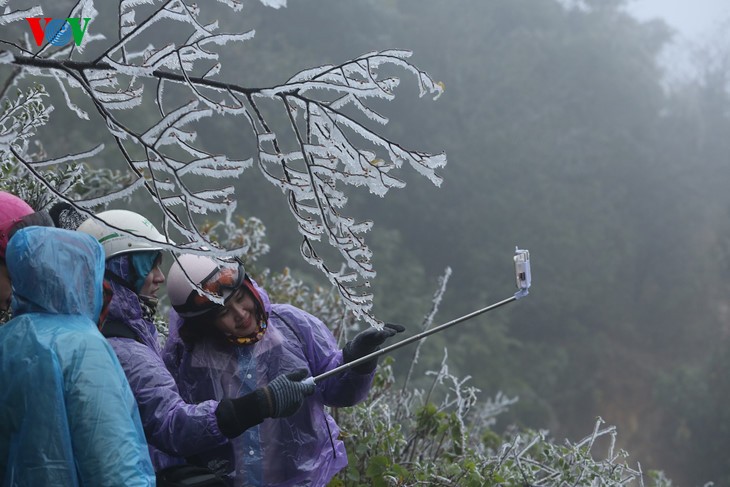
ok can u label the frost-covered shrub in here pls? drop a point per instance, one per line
(398, 437)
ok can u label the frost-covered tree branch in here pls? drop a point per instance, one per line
(166, 53)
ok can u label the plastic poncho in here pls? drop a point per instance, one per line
(302, 449)
(67, 414)
(174, 428)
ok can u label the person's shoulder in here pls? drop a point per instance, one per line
(62, 329)
(79, 344)
(284, 308)
(20, 337)
(129, 350)
(292, 313)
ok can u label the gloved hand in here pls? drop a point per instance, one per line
(286, 393)
(367, 342)
(282, 397)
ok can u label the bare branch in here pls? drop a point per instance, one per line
(327, 110)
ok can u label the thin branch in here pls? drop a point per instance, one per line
(80, 66)
(130, 34)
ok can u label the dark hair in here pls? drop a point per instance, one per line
(37, 219)
(195, 328)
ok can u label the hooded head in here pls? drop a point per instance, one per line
(12, 210)
(56, 271)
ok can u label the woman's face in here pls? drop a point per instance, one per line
(153, 280)
(238, 317)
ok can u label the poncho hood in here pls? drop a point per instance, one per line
(57, 279)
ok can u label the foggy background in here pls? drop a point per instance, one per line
(691, 20)
(596, 139)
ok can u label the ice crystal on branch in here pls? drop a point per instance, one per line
(168, 53)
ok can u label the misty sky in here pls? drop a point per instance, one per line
(693, 18)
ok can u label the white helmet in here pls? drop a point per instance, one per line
(206, 273)
(115, 242)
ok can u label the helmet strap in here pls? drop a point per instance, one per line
(260, 310)
(107, 295)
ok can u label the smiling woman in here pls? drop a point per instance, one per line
(233, 340)
(241, 317)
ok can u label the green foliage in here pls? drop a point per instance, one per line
(39, 186)
(695, 398)
(399, 438)
(21, 117)
(73, 181)
(15, 180)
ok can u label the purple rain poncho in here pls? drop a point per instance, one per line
(302, 449)
(67, 414)
(174, 428)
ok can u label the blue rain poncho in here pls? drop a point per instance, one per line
(299, 450)
(67, 414)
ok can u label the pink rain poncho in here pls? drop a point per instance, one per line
(302, 449)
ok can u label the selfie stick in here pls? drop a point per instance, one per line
(523, 280)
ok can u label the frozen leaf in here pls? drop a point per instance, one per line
(274, 3)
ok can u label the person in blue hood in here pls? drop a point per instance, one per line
(67, 414)
(175, 429)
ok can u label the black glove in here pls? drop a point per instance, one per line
(282, 397)
(287, 393)
(367, 342)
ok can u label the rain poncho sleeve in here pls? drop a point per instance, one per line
(67, 414)
(174, 428)
(171, 424)
(322, 354)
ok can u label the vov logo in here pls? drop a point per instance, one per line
(59, 32)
